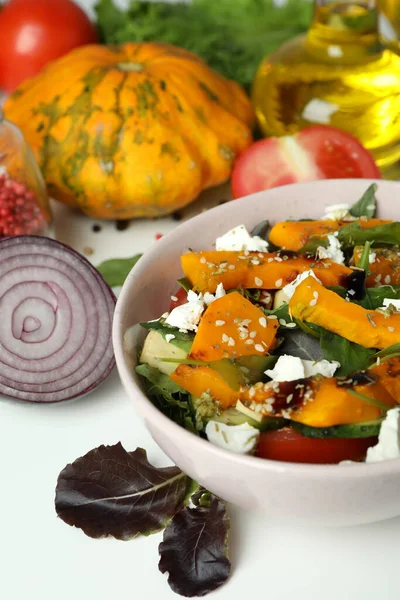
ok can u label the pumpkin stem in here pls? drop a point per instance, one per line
(130, 66)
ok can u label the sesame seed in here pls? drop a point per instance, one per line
(255, 261)
(252, 392)
(262, 321)
(291, 325)
(388, 279)
(268, 408)
(313, 302)
(289, 398)
(223, 265)
(231, 267)
(391, 329)
(270, 260)
(316, 295)
(243, 335)
(258, 281)
(231, 342)
(351, 292)
(203, 260)
(253, 334)
(246, 253)
(225, 338)
(272, 317)
(260, 255)
(378, 278)
(249, 342)
(278, 259)
(278, 283)
(219, 323)
(258, 408)
(174, 298)
(259, 348)
(242, 257)
(282, 322)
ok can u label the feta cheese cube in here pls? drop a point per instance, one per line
(187, 316)
(388, 446)
(219, 293)
(332, 252)
(291, 368)
(239, 239)
(391, 301)
(338, 212)
(290, 288)
(241, 439)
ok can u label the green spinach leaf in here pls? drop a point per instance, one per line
(366, 205)
(282, 314)
(181, 340)
(353, 235)
(373, 296)
(351, 356)
(363, 263)
(116, 270)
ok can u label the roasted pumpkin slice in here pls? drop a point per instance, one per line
(388, 373)
(270, 271)
(293, 235)
(231, 327)
(370, 328)
(198, 380)
(385, 269)
(318, 402)
(332, 404)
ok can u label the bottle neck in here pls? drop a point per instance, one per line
(344, 31)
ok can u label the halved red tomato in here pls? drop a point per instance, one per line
(318, 152)
(290, 446)
(181, 298)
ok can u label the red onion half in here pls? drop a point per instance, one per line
(55, 321)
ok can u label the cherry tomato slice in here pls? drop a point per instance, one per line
(181, 298)
(318, 152)
(290, 446)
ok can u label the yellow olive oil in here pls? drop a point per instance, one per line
(341, 73)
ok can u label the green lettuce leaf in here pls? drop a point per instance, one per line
(169, 397)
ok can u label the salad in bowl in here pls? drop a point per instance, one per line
(284, 342)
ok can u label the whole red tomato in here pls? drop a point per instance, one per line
(35, 32)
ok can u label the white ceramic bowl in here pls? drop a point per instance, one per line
(320, 494)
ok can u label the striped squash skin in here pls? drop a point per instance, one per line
(137, 130)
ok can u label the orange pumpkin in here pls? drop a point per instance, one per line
(137, 130)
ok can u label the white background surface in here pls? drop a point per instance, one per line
(41, 558)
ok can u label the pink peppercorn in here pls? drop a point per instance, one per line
(158, 236)
(19, 211)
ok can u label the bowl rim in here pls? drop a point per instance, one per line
(313, 471)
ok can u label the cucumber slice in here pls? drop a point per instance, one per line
(231, 416)
(351, 430)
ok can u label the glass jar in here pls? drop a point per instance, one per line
(24, 205)
(341, 73)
